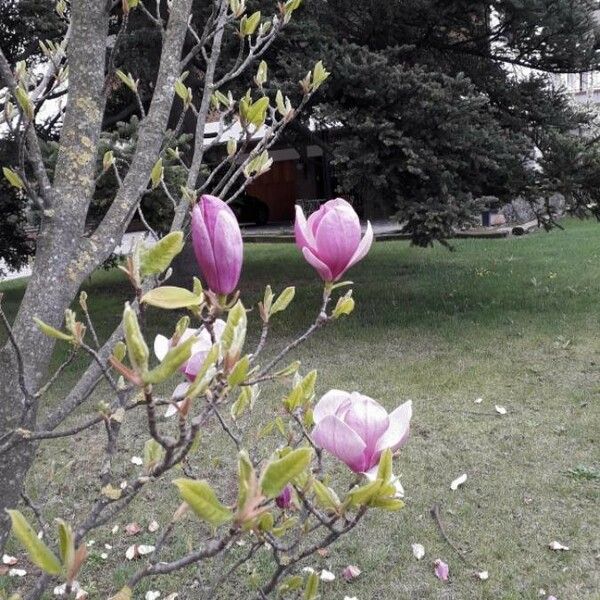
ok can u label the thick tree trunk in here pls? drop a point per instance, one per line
(64, 258)
(36, 350)
(57, 272)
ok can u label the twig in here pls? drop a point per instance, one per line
(18, 355)
(321, 320)
(56, 374)
(435, 514)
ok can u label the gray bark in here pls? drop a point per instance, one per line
(53, 285)
(64, 258)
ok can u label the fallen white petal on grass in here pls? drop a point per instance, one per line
(115, 529)
(123, 485)
(350, 598)
(9, 560)
(478, 400)
(82, 595)
(108, 546)
(90, 543)
(458, 482)
(104, 556)
(153, 526)
(152, 595)
(326, 575)
(131, 552)
(483, 575)
(500, 409)
(418, 551)
(172, 596)
(557, 546)
(137, 460)
(144, 549)
(17, 572)
(308, 570)
(61, 590)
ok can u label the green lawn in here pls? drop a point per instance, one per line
(515, 322)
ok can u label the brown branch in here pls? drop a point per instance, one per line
(435, 515)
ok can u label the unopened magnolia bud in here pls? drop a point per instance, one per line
(136, 345)
(83, 300)
(119, 351)
(284, 500)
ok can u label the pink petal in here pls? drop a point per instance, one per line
(304, 236)
(351, 572)
(320, 266)
(397, 432)
(228, 251)
(363, 247)
(315, 218)
(329, 404)
(212, 207)
(337, 237)
(203, 249)
(336, 437)
(441, 570)
(369, 420)
(194, 364)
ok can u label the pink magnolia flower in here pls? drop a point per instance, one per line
(441, 570)
(357, 429)
(217, 242)
(330, 239)
(200, 348)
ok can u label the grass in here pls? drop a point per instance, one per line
(514, 322)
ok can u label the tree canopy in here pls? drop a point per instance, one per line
(438, 103)
(432, 104)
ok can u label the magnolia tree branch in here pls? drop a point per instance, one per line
(150, 138)
(33, 145)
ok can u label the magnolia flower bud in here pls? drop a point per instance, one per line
(217, 243)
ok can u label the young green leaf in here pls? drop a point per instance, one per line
(156, 175)
(153, 453)
(51, 331)
(311, 590)
(38, 552)
(13, 178)
(66, 543)
(239, 372)
(171, 297)
(283, 300)
(249, 24)
(136, 345)
(171, 362)
(246, 479)
(157, 258)
(279, 473)
(203, 501)
(319, 75)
